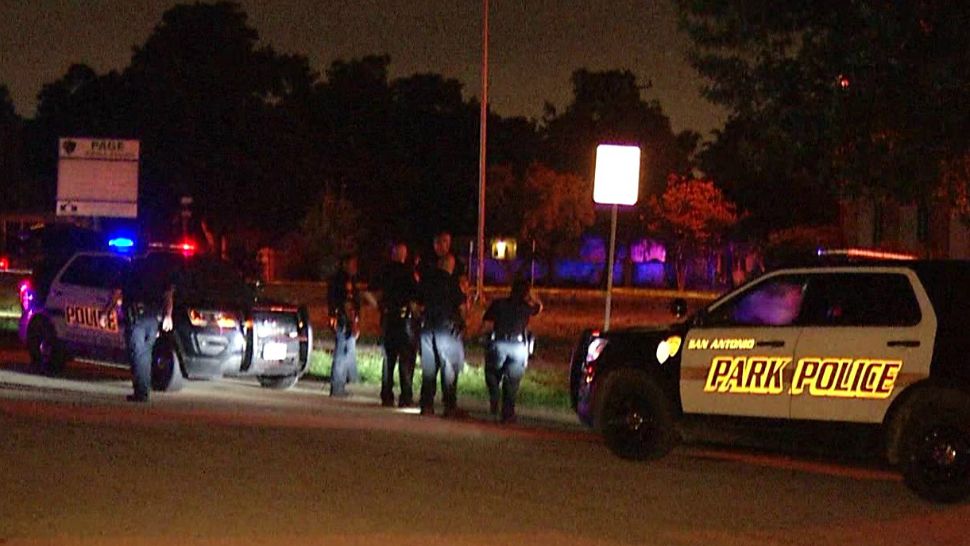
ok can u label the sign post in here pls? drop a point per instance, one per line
(616, 182)
(97, 177)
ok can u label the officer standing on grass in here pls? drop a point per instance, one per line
(441, 336)
(143, 297)
(507, 350)
(343, 299)
(398, 293)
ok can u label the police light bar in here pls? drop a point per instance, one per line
(121, 244)
(186, 247)
(864, 253)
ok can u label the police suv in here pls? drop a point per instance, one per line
(219, 326)
(883, 344)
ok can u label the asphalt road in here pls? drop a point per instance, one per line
(225, 462)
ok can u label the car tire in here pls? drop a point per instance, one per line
(935, 450)
(166, 369)
(47, 353)
(635, 417)
(278, 382)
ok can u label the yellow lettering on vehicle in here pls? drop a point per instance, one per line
(747, 375)
(721, 344)
(831, 377)
(90, 318)
(701, 344)
(846, 378)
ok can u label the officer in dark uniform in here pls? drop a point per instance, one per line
(144, 297)
(343, 299)
(441, 344)
(398, 289)
(507, 351)
(442, 248)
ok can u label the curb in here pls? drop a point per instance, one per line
(370, 394)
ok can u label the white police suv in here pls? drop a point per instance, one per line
(883, 344)
(220, 326)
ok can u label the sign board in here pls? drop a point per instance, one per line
(617, 177)
(97, 177)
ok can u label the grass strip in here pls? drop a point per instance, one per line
(539, 388)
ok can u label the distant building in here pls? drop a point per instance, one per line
(935, 231)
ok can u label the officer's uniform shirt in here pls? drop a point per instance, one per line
(143, 287)
(398, 287)
(342, 289)
(510, 317)
(441, 296)
(429, 266)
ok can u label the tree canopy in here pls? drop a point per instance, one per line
(261, 140)
(855, 96)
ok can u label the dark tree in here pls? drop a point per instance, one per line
(207, 100)
(860, 96)
(608, 107)
(15, 193)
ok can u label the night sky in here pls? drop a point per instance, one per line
(535, 44)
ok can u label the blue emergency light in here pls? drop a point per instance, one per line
(121, 244)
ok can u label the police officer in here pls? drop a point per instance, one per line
(442, 248)
(507, 351)
(343, 300)
(144, 297)
(441, 343)
(398, 289)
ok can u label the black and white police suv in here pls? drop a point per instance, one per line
(885, 344)
(220, 327)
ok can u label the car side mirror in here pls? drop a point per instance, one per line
(678, 308)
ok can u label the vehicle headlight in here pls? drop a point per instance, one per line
(668, 348)
(595, 348)
(220, 319)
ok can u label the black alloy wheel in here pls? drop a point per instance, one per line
(937, 461)
(635, 420)
(46, 351)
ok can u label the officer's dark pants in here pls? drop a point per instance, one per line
(441, 349)
(142, 333)
(399, 351)
(344, 368)
(505, 363)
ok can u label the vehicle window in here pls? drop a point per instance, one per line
(774, 302)
(860, 299)
(94, 271)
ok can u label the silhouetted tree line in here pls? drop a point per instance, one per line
(260, 139)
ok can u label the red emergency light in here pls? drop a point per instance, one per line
(187, 247)
(4, 263)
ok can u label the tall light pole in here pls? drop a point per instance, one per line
(482, 140)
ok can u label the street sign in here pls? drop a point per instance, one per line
(617, 177)
(616, 182)
(97, 177)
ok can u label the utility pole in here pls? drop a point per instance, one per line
(482, 140)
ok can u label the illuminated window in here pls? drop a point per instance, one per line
(774, 302)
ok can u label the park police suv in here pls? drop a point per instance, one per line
(219, 326)
(882, 343)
